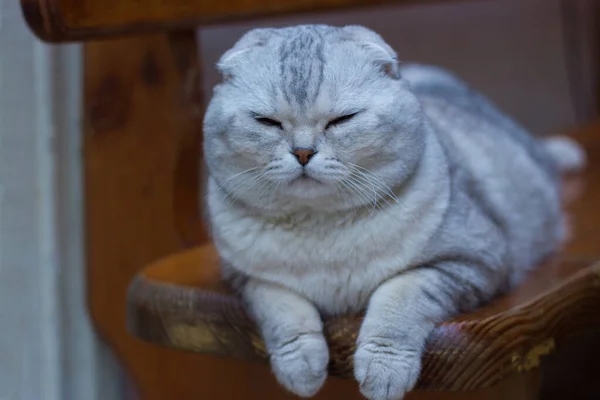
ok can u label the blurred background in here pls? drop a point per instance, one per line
(538, 59)
(535, 58)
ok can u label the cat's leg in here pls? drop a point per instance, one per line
(402, 313)
(293, 332)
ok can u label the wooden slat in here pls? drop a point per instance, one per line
(75, 20)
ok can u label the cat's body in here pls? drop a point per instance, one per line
(436, 203)
(334, 259)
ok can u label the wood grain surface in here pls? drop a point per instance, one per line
(138, 118)
(180, 302)
(73, 20)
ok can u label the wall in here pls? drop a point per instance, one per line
(48, 350)
(512, 50)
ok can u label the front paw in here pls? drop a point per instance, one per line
(385, 372)
(300, 365)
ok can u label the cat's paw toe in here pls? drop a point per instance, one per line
(301, 364)
(386, 373)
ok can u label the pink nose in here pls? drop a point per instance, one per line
(303, 155)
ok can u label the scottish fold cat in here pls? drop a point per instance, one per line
(341, 182)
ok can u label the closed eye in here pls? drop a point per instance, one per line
(269, 122)
(340, 120)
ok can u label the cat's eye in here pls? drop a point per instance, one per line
(339, 120)
(269, 122)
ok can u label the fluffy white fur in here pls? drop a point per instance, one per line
(422, 202)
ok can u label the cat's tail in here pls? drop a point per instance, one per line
(567, 154)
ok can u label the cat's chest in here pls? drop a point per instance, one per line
(337, 272)
(336, 266)
(302, 250)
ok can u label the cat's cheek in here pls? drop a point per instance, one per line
(262, 147)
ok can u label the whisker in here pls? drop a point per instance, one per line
(379, 181)
(357, 189)
(273, 192)
(266, 188)
(376, 189)
(374, 180)
(379, 190)
(389, 192)
(241, 185)
(237, 175)
(340, 190)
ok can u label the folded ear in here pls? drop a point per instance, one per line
(383, 55)
(252, 39)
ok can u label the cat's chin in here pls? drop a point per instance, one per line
(306, 187)
(305, 180)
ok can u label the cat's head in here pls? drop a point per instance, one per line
(311, 117)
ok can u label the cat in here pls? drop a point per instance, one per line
(340, 181)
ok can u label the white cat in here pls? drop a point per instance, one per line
(341, 182)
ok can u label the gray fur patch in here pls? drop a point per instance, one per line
(302, 64)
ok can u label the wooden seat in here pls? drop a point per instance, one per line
(180, 302)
